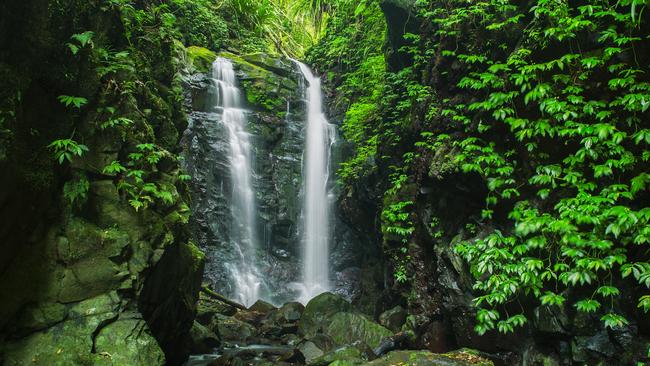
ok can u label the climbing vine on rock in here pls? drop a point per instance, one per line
(557, 127)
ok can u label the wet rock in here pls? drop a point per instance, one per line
(346, 328)
(310, 351)
(323, 341)
(394, 318)
(262, 306)
(348, 355)
(203, 340)
(68, 341)
(207, 307)
(290, 339)
(426, 358)
(259, 355)
(129, 342)
(584, 348)
(551, 319)
(533, 357)
(291, 311)
(251, 317)
(392, 343)
(232, 329)
(200, 58)
(319, 310)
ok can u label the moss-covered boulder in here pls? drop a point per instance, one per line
(232, 329)
(200, 59)
(319, 311)
(347, 328)
(95, 332)
(348, 355)
(269, 82)
(128, 341)
(426, 358)
(203, 340)
(393, 318)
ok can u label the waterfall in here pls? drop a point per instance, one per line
(227, 100)
(316, 158)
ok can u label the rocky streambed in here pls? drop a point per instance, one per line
(328, 331)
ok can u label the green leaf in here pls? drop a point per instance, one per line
(550, 298)
(68, 100)
(587, 305)
(614, 321)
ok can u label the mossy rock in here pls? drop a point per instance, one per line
(70, 342)
(347, 355)
(426, 358)
(346, 328)
(200, 58)
(129, 342)
(203, 340)
(319, 311)
(267, 81)
(232, 329)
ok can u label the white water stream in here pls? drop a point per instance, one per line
(316, 206)
(245, 273)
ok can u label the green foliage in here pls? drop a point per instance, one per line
(79, 41)
(583, 152)
(66, 149)
(75, 191)
(548, 104)
(352, 45)
(201, 23)
(68, 101)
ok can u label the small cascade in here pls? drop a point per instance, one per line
(316, 206)
(227, 100)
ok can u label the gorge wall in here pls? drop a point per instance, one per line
(84, 277)
(404, 107)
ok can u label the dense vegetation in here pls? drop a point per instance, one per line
(547, 102)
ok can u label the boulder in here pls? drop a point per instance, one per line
(232, 329)
(310, 351)
(348, 355)
(129, 342)
(209, 306)
(323, 341)
(203, 340)
(68, 342)
(319, 311)
(426, 358)
(262, 306)
(346, 328)
(394, 318)
(200, 58)
(290, 312)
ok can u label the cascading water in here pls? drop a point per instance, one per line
(227, 95)
(316, 158)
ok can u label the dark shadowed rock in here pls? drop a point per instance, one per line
(394, 318)
(203, 340)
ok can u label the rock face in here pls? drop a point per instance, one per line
(439, 295)
(115, 283)
(90, 281)
(276, 124)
